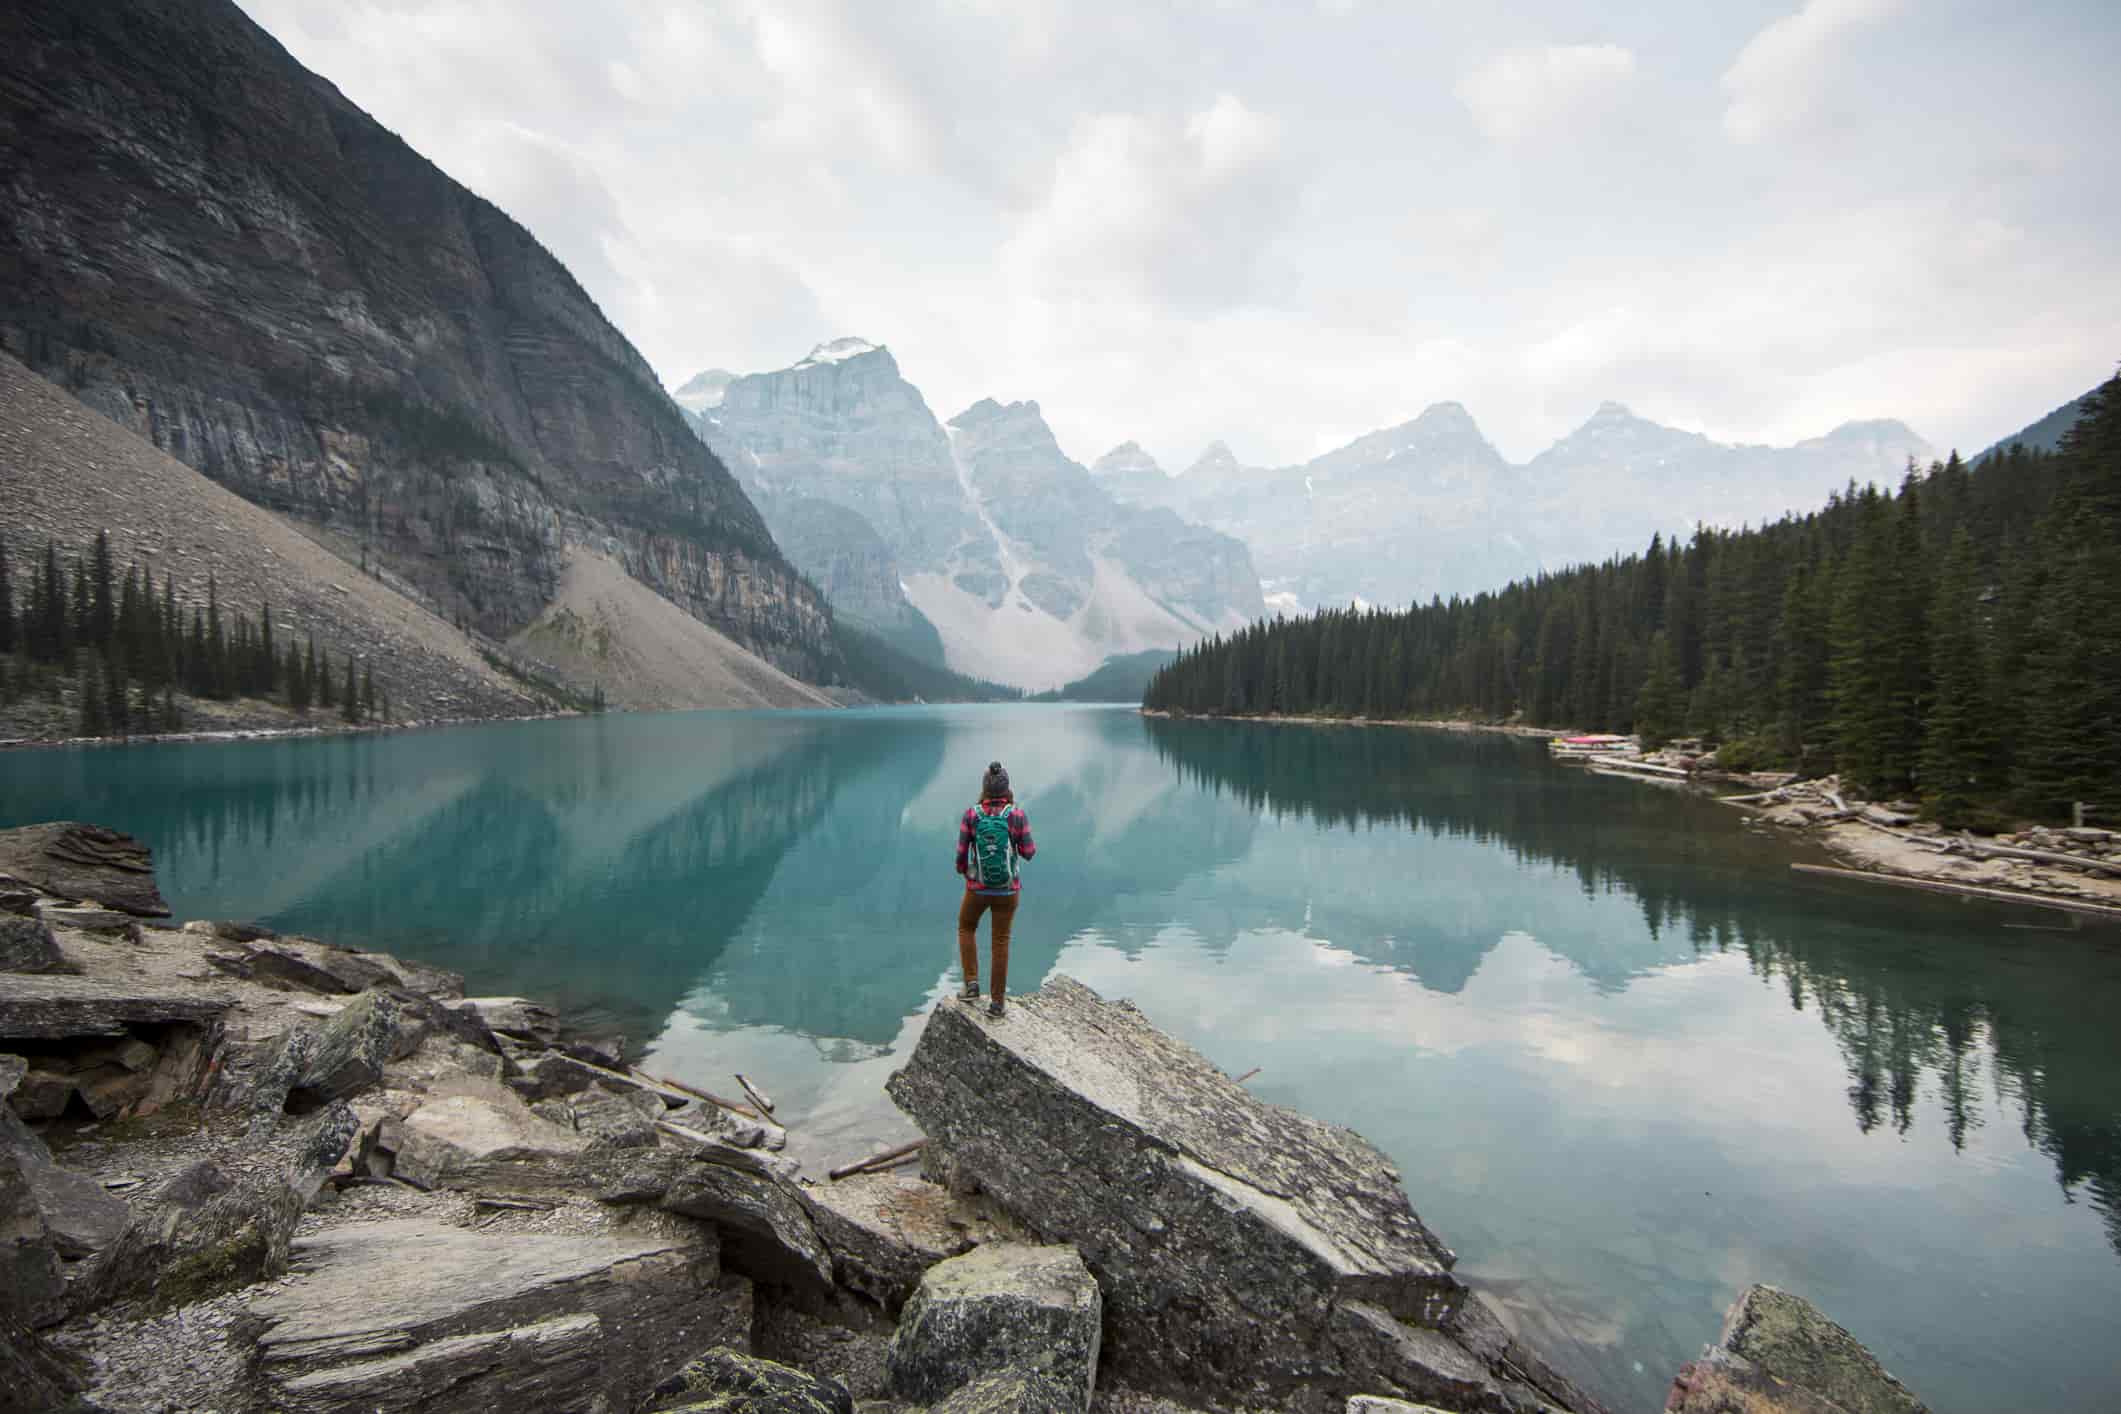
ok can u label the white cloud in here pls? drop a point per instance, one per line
(1528, 91)
(1166, 208)
(1777, 79)
(1276, 226)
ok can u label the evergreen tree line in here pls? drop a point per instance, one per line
(130, 648)
(1958, 639)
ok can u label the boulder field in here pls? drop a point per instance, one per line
(242, 1171)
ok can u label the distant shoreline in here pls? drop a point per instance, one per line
(1447, 724)
(233, 735)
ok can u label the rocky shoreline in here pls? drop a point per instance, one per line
(247, 1172)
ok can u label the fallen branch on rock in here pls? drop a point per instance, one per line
(755, 1096)
(708, 1095)
(877, 1161)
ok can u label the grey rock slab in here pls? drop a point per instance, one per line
(12, 1070)
(374, 1029)
(52, 1007)
(1000, 1309)
(1223, 1230)
(473, 1141)
(211, 1228)
(753, 1199)
(34, 1378)
(1790, 1339)
(1374, 1351)
(514, 1016)
(1378, 1404)
(27, 945)
(1012, 1392)
(85, 919)
(413, 1313)
(729, 1381)
(32, 1284)
(81, 1215)
(885, 1229)
(78, 861)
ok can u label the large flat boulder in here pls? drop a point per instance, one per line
(1779, 1354)
(885, 1229)
(52, 1007)
(482, 1142)
(1025, 1313)
(413, 1314)
(1226, 1232)
(77, 861)
(753, 1198)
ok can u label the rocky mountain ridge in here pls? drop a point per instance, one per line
(1430, 507)
(981, 539)
(212, 246)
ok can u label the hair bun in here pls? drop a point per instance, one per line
(994, 765)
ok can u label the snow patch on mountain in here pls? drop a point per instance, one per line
(703, 391)
(838, 351)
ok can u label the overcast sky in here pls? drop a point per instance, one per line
(1284, 224)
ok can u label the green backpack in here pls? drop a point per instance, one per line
(993, 856)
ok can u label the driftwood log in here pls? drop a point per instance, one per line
(1939, 886)
(2038, 856)
(752, 1092)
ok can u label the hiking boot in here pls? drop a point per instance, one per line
(996, 1007)
(969, 992)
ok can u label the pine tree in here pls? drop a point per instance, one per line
(81, 627)
(7, 603)
(368, 690)
(1659, 707)
(115, 697)
(268, 661)
(326, 698)
(350, 697)
(1958, 739)
(102, 587)
(2072, 749)
(217, 681)
(90, 691)
(53, 639)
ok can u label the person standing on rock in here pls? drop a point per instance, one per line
(991, 837)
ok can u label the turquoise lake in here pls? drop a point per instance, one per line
(1626, 1060)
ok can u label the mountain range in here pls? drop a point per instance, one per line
(1431, 508)
(977, 542)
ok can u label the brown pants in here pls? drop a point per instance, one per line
(1003, 907)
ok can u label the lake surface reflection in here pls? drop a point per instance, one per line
(1626, 1061)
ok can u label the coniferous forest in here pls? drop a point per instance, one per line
(1957, 639)
(126, 652)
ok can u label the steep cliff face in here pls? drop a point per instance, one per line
(212, 246)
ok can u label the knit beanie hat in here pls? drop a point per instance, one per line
(995, 784)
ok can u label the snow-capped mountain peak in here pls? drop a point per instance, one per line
(838, 351)
(703, 391)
